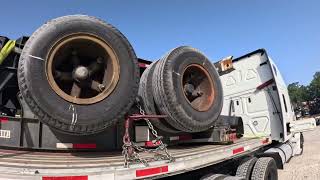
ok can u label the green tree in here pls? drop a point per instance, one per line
(315, 86)
(295, 92)
(310, 94)
(305, 93)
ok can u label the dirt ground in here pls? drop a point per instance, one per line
(306, 166)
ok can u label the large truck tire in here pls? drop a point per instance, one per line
(245, 168)
(213, 177)
(220, 177)
(78, 74)
(187, 88)
(301, 143)
(145, 92)
(265, 169)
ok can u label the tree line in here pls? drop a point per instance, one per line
(306, 96)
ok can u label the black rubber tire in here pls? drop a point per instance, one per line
(145, 92)
(53, 110)
(169, 95)
(301, 143)
(213, 177)
(245, 168)
(265, 169)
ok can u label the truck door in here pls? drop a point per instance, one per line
(287, 113)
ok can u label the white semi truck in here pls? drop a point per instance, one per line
(254, 93)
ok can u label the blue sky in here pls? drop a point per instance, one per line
(289, 29)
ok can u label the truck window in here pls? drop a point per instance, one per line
(285, 103)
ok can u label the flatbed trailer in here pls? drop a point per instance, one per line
(109, 165)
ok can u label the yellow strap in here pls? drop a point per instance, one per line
(6, 50)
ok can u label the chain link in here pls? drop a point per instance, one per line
(131, 150)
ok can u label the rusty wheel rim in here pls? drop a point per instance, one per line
(198, 87)
(82, 69)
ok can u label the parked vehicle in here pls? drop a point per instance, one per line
(76, 88)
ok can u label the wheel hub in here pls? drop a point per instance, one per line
(82, 69)
(81, 73)
(198, 87)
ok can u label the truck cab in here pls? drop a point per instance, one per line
(254, 90)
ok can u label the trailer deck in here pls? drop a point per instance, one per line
(109, 165)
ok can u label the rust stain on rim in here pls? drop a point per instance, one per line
(200, 94)
(111, 76)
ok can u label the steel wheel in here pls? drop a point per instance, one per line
(82, 69)
(198, 87)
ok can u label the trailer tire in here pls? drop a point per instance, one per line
(220, 177)
(169, 90)
(265, 169)
(145, 92)
(214, 177)
(245, 168)
(53, 109)
(301, 143)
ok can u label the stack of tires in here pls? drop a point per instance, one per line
(185, 86)
(80, 75)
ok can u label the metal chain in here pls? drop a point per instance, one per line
(162, 146)
(129, 148)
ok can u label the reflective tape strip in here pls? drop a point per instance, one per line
(64, 145)
(185, 137)
(174, 138)
(238, 150)
(84, 146)
(140, 144)
(176, 166)
(152, 171)
(84, 177)
(101, 177)
(4, 119)
(151, 144)
(247, 148)
(180, 138)
(65, 178)
(75, 146)
(148, 144)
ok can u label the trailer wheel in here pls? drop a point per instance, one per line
(187, 88)
(213, 177)
(245, 168)
(220, 177)
(145, 92)
(301, 143)
(265, 169)
(78, 74)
